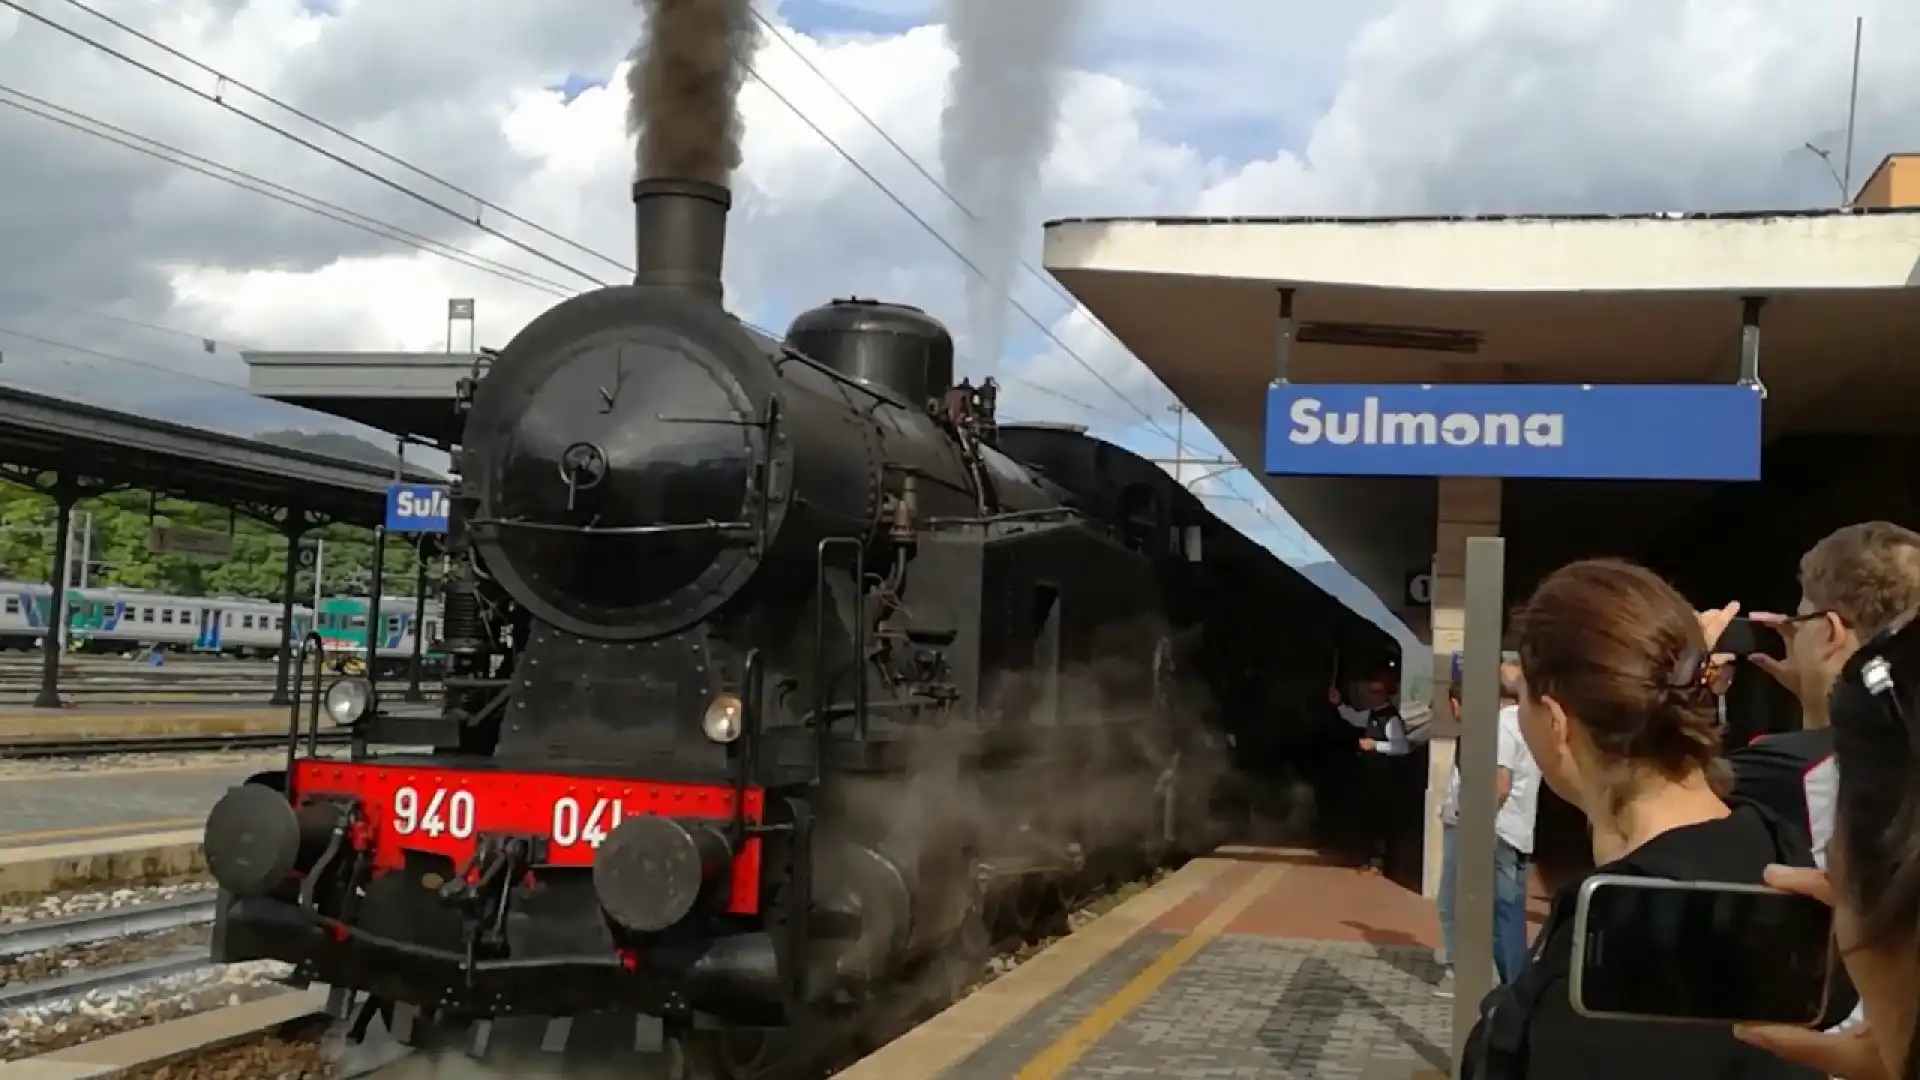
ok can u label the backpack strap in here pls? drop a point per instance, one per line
(1497, 1049)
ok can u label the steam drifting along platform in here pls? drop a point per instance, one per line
(1252, 963)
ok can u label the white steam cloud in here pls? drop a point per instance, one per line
(1003, 102)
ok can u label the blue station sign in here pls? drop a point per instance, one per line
(418, 508)
(1601, 432)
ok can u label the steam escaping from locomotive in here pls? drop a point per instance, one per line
(1003, 102)
(683, 89)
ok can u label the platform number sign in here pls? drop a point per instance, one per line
(1419, 591)
(417, 508)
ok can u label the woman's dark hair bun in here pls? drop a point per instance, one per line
(1622, 651)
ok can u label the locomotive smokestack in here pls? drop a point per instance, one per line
(680, 234)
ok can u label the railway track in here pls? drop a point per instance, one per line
(51, 939)
(29, 749)
(285, 1032)
(68, 983)
(91, 927)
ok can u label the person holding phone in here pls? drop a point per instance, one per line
(1853, 584)
(1872, 879)
(1617, 706)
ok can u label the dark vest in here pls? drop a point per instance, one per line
(1377, 722)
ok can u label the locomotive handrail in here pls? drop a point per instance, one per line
(318, 646)
(319, 694)
(615, 530)
(821, 689)
(751, 684)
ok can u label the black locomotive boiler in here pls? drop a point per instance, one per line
(780, 673)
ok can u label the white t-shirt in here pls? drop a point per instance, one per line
(1514, 820)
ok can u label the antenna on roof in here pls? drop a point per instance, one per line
(1853, 107)
(1843, 173)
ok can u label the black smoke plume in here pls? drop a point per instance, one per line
(683, 90)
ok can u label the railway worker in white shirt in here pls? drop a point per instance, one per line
(1517, 796)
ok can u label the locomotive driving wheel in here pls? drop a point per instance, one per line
(718, 1055)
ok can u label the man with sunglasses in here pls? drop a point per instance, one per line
(1854, 583)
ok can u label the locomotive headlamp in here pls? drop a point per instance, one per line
(722, 723)
(346, 700)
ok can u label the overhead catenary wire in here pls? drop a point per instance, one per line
(92, 126)
(926, 174)
(952, 248)
(425, 243)
(911, 159)
(309, 144)
(384, 155)
(208, 343)
(85, 124)
(68, 346)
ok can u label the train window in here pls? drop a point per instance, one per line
(146, 614)
(1143, 517)
(246, 622)
(13, 605)
(276, 622)
(166, 615)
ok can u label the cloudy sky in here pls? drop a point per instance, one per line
(1260, 107)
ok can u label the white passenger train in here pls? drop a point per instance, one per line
(116, 619)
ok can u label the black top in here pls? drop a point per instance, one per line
(1528, 1029)
(1792, 774)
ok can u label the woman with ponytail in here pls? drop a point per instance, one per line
(1618, 707)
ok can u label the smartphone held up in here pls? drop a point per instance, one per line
(1700, 952)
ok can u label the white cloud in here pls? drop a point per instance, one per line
(1262, 107)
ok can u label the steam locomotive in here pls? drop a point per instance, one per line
(780, 673)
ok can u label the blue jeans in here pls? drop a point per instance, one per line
(1509, 910)
(1444, 902)
(1509, 904)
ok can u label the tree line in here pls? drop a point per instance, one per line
(119, 554)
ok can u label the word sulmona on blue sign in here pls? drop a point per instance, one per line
(1598, 432)
(418, 508)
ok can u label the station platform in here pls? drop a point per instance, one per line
(26, 723)
(1252, 963)
(73, 806)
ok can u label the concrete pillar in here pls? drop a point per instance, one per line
(1469, 506)
(65, 492)
(291, 530)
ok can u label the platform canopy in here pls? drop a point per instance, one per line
(405, 393)
(1579, 299)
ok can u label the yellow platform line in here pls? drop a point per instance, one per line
(1056, 1059)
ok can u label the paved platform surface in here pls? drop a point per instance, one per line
(71, 806)
(1249, 965)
